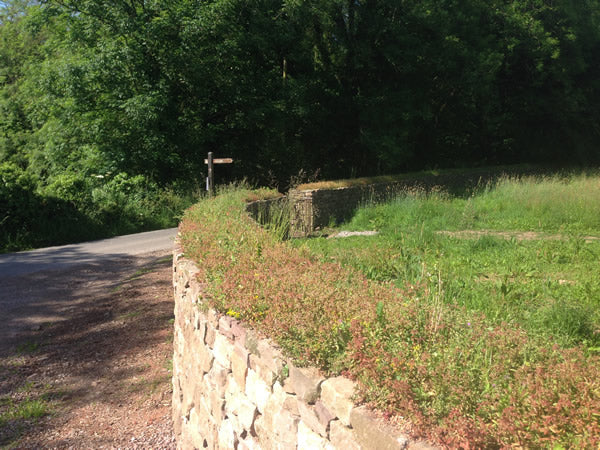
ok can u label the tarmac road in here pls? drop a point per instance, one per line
(22, 263)
(50, 284)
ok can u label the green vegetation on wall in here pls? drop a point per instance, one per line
(461, 378)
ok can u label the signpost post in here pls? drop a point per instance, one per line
(211, 161)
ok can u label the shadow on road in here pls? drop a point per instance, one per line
(94, 336)
(16, 264)
(21, 263)
(31, 301)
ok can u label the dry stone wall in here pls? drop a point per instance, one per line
(234, 389)
(263, 210)
(313, 209)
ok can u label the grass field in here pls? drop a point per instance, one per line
(475, 251)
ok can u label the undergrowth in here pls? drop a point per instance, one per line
(461, 378)
(75, 208)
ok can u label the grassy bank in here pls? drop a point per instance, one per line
(458, 376)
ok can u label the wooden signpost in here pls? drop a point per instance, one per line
(210, 179)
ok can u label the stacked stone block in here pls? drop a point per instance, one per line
(234, 389)
(313, 209)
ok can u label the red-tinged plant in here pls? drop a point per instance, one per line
(557, 401)
(462, 382)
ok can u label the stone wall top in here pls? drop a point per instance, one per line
(235, 389)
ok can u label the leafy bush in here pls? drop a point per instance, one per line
(459, 378)
(71, 187)
(74, 207)
(17, 195)
(28, 218)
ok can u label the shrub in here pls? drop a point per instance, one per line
(74, 207)
(71, 187)
(28, 218)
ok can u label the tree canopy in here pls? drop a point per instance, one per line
(97, 88)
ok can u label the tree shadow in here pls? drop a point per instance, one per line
(78, 338)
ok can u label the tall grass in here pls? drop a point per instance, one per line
(277, 219)
(549, 284)
(550, 204)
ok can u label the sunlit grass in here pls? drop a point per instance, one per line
(549, 286)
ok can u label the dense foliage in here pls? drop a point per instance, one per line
(93, 88)
(461, 379)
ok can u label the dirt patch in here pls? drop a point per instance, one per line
(517, 235)
(96, 366)
(345, 234)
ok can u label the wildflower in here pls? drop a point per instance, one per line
(234, 314)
